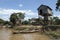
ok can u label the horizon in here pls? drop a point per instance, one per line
(7, 7)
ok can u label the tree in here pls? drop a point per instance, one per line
(58, 5)
(25, 22)
(56, 20)
(1, 21)
(16, 17)
(7, 22)
(20, 16)
(13, 18)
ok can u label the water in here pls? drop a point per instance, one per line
(6, 34)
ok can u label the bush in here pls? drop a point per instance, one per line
(52, 28)
(21, 28)
(54, 34)
(25, 22)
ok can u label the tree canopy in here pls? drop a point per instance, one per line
(58, 5)
(56, 21)
(16, 16)
(1, 21)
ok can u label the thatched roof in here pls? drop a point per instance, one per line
(44, 6)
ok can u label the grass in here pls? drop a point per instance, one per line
(21, 28)
(54, 34)
(52, 31)
(24, 27)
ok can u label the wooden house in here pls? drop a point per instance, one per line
(44, 10)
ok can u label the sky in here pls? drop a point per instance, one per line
(29, 7)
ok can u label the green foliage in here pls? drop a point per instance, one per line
(1, 21)
(58, 5)
(21, 15)
(25, 22)
(16, 17)
(51, 28)
(13, 18)
(54, 34)
(21, 28)
(34, 23)
(7, 22)
(56, 21)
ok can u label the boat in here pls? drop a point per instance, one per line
(17, 32)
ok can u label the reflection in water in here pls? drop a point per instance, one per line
(28, 37)
(5, 34)
(32, 36)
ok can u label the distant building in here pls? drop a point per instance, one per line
(34, 21)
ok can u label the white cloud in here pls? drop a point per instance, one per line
(26, 18)
(57, 16)
(20, 5)
(30, 12)
(5, 13)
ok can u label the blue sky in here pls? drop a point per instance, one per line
(7, 7)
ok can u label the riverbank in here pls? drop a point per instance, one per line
(31, 29)
(6, 34)
(26, 29)
(51, 31)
